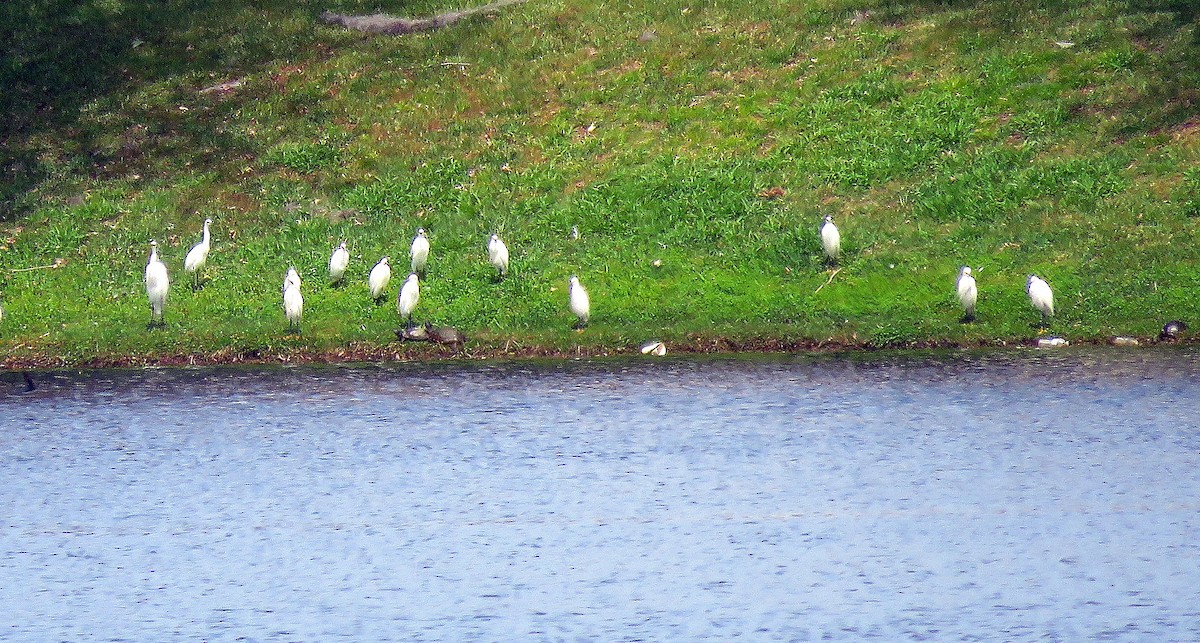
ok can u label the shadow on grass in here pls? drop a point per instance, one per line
(58, 56)
(1164, 34)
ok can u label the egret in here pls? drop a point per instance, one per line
(580, 305)
(293, 301)
(406, 301)
(498, 254)
(1040, 296)
(157, 284)
(419, 251)
(338, 262)
(197, 257)
(967, 292)
(381, 274)
(831, 239)
(292, 278)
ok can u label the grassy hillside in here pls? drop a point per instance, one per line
(1018, 137)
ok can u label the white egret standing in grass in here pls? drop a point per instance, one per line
(157, 284)
(406, 301)
(831, 239)
(580, 304)
(293, 301)
(419, 252)
(498, 254)
(197, 257)
(381, 274)
(338, 262)
(1040, 296)
(967, 292)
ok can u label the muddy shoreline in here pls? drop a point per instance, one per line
(419, 351)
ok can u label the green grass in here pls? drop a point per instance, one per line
(1059, 138)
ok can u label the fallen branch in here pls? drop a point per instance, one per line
(382, 23)
(58, 263)
(831, 276)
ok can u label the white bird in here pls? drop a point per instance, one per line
(968, 294)
(292, 278)
(406, 301)
(419, 251)
(831, 239)
(498, 254)
(293, 301)
(381, 274)
(338, 262)
(157, 284)
(580, 305)
(197, 257)
(1040, 296)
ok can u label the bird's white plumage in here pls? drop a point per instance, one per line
(293, 301)
(579, 302)
(198, 255)
(157, 283)
(378, 280)
(1040, 295)
(968, 293)
(498, 254)
(831, 239)
(338, 262)
(410, 293)
(419, 251)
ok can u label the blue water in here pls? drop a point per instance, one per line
(962, 496)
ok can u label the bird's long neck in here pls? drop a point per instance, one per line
(205, 240)
(153, 255)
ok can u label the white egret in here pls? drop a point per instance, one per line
(831, 239)
(406, 301)
(580, 304)
(338, 262)
(967, 292)
(419, 251)
(292, 278)
(498, 254)
(197, 257)
(157, 284)
(293, 301)
(1040, 296)
(381, 274)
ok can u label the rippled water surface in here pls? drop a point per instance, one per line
(1004, 496)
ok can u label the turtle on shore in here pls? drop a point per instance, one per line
(427, 332)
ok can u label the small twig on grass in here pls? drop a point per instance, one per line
(831, 276)
(58, 263)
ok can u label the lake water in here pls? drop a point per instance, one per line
(1015, 495)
